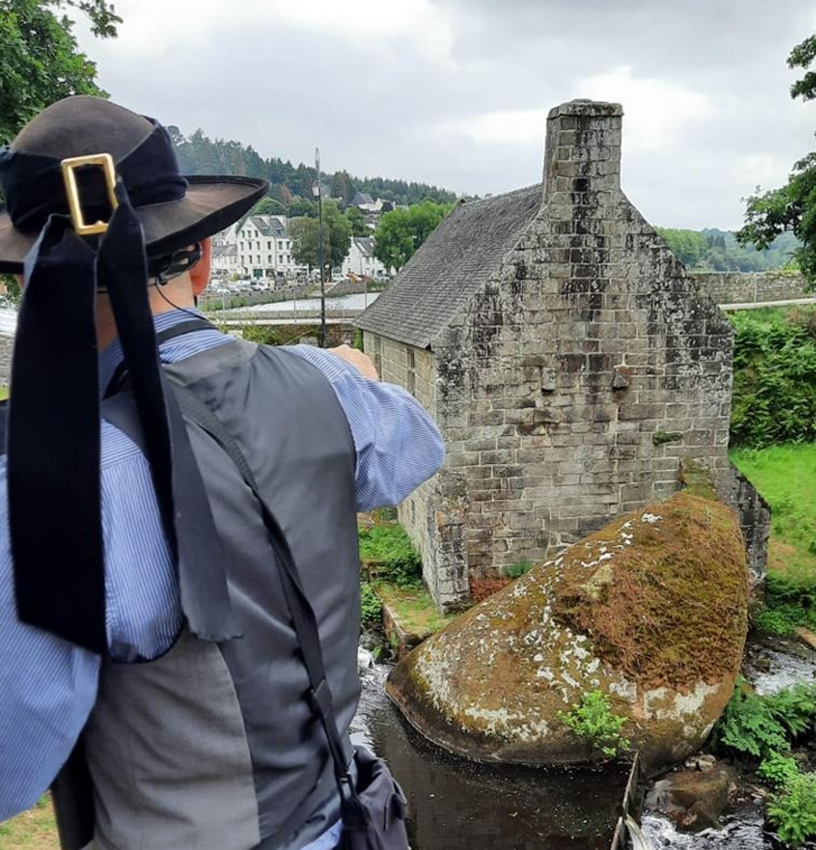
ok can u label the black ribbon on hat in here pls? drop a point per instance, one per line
(35, 190)
(54, 491)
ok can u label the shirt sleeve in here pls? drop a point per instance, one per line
(397, 443)
(47, 689)
(49, 686)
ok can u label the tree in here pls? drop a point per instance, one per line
(301, 206)
(357, 221)
(401, 232)
(268, 206)
(305, 233)
(689, 246)
(793, 206)
(394, 240)
(342, 187)
(40, 61)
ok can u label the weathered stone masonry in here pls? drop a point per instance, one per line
(752, 287)
(569, 359)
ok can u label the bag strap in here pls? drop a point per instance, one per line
(303, 616)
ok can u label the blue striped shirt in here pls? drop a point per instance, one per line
(48, 686)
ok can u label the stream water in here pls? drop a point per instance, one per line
(460, 805)
(769, 669)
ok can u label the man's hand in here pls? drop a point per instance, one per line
(361, 362)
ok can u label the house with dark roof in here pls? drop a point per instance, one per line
(264, 248)
(573, 367)
(360, 260)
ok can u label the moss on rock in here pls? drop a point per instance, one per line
(651, 610)
(644, 588)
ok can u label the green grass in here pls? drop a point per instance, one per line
(414, 608)
(387, 554)
(32, 830)
(786, 477)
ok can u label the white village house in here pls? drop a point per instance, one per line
(260, 247)
(361, 261)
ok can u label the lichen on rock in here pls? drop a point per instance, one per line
(651, 610)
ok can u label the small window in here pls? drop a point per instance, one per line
(411, 361)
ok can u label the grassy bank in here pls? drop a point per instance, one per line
(786, 477)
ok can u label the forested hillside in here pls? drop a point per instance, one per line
(718, 250)
(199, 154)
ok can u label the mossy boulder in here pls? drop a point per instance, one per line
(651, 611)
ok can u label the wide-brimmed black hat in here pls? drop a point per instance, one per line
(95, 203)
(174, 211)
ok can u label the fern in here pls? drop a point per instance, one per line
(748, 727)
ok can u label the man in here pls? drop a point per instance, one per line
(146, 598)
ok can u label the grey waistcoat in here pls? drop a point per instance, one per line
(214, 747)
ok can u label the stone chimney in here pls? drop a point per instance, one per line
(583, 148)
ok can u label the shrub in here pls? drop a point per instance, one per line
(391, 555)
(774, 380)
(778, 621)
(518, 569)
(263, 335)
(371, 606)
(793, 811)
(748, 727)
(791, 602)
(593, 721)
(799, 590)
(777, 770)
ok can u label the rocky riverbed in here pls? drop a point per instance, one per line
(457, 804)
(770, 666)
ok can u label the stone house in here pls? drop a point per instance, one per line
(570, 361)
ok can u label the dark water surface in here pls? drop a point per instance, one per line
(459, 805)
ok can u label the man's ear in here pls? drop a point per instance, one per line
(200, 272)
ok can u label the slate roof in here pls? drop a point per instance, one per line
(453, 265)
(365, 245)
(268, 225)
(362, 198)
(260, 224)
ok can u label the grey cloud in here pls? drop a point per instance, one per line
(286, 90)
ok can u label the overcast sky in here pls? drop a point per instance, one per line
(455, 92)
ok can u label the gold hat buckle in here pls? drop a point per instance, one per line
(69, 167)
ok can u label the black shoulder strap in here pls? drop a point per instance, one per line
(300, 608)
(195, 324)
